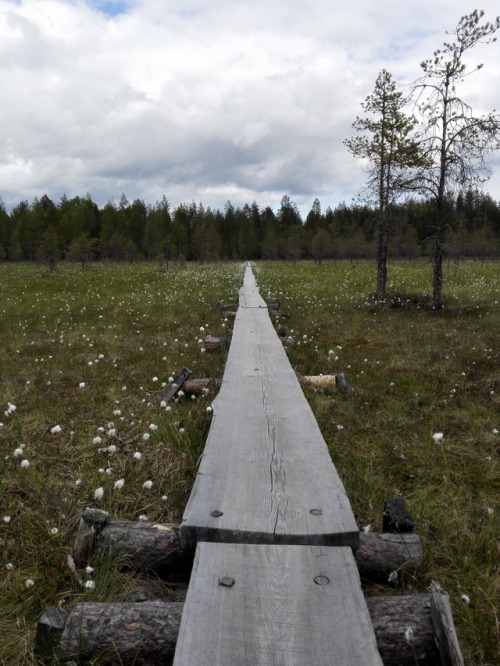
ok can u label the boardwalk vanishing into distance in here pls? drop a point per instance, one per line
(274, 579)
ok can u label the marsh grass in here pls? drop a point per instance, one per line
(413, 372)
(88, 351)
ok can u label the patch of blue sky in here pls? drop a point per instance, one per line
(111, 7)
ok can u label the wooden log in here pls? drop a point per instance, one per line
(211, 343)
(201, 385)
(49, 631)
(220, 305)
(320, 381)
(343, 384)
(174, 387)
(266, 604)
(156, 546)
(403, 626)
(142, 634)
(404, 629)
(379, 555)
(396, 517)
(91, 521)
(449, 648)
(153, 546)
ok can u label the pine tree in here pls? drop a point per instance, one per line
(455, 142)
(391, 151)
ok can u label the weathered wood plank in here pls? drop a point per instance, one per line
(275, 605)
(444, 627)
(266, 475)
(249, 294)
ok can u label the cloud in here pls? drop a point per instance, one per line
(205, 100)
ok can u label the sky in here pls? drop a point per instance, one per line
(209, 100)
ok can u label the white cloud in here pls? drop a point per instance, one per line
(205, 100)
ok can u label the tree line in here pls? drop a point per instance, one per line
(77, 229)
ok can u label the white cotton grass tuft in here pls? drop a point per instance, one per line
(465, 599)
(89, 585)
(29, 583)
(147, 485)
(98, 493)
(55, 429)
(97, 440)
(119, 484)
(137, 455)
(18, 452)
(438, 437)
(409, 635)
(25, 463)
(11, 408)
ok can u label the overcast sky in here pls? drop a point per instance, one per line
(208, 100)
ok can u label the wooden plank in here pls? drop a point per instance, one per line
(173, 388)
(266, 475)
(275, 605)
(444, 627)
(249, 293)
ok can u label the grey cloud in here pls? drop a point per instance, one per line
(204, 100)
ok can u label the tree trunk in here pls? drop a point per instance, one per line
(437, 281)
(154, 546)
(145, 634)
(404, 629)
(382, 255)
(379, 555)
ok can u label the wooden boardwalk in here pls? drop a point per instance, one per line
(266, 475)
(275, 580)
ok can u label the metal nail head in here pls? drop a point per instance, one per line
(226, 581)
(321, 580)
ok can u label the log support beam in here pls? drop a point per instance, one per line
(146, 632)
(157, 546)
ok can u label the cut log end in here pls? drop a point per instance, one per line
(396, 517)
